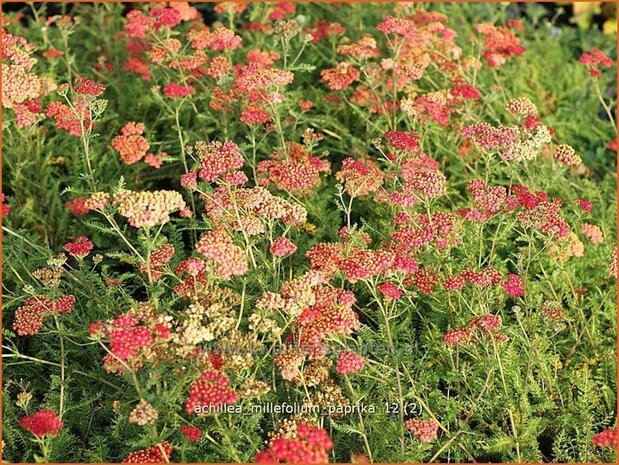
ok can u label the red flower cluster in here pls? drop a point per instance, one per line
(355, 262)
(42, 423)
(310, 445)
(165, 17)
(138, 24)
(219, 39)
(77, 206)
(174, 90)
(340, 77)
(80, 247)
(195, 268)
(407, 142)
(255, 114)
(209, 393)
(76, 121)
(537, 211)
(424, 178)
(607, 438)
(390, 291)
(331, 314)
(514, 285)
(586, 205)
(440, 229)
(191, 433)
(541, 214)
(159, 453)
(85, 86)
(488, 200)
(461, 89)
(485, 277)
(400, 26)
(28, 113)
(323, 29)
(490, 137)
(258, 79)
(128, 335)
(30, 316)
(6, 208)
(425, 279)
(281, 10)
(433, 105)
(593, 59)
(126, 342)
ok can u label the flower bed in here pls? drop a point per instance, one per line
(307, 233)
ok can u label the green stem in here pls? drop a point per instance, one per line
(62, 366)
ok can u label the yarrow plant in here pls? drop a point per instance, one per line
(281, 232)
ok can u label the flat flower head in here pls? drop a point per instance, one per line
(85, 86)
(349, 362)
(80, 247)
(514, 285)
(390, 291)
(340, 77)
(174, 90)
(42, 423)
(159, 453)
(191, 433)
(607, 438)
(282, 247)
(423, 430)
(209, 393)
(594, 59)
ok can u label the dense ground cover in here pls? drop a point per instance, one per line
(307, 232)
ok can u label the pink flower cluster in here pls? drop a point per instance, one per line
(219, 161)
(349, 362)
(282, 246)
(297, 172)
(229, 259)
(424, 430)
(500, 43)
